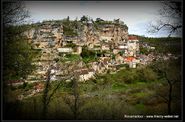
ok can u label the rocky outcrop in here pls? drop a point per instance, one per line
(46, 35)
(51, 34)
(113, 32)
(89, 35)
(57, 37)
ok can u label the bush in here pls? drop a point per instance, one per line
(149, 75)
(56, 59)
(28, 87)
(117, 86)
(131, 76)
(71, 45)
(88, 55)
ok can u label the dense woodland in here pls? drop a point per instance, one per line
(163, 44)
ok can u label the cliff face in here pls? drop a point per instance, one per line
(46, 35)
(51, 34)
(90, 35)
(115, 33)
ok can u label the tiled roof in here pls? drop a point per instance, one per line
(91, 70)
(82, 72)
(39, 86)
(15, 81)
(128, 59)
(132, 38)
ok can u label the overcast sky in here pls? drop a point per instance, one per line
(137, 15)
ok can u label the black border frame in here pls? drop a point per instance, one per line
(182, 89)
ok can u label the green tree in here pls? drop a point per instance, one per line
(88, 55)
(68, 19)
(147, 74)
(84, 18)
(170, 71)
(99, 20)
(69, 27)
(18, 58)
(17, 52)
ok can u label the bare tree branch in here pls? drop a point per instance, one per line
(171, 19)
(163, 97)
(14, 13)
(163, 69)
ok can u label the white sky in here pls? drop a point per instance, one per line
(137, 15)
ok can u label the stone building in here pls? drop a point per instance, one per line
(132, 46)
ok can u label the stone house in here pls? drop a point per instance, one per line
(129, 59)
(119, 59)
(15, 82)
(39, 87)
(65, 50)
(94, 66)
(105, 47)
(132, 46)
(123, 46)
(85, 75)
(132, 64)
(102, 67)
(116, 51)
(79, 50)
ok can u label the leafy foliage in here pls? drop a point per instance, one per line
(72, 45)
(72, 57)
(69, 27)
(84, 18)
(18, 55)
(163, 45)
(88, 55)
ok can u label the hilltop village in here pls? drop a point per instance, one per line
(109, 47)
(94, 48)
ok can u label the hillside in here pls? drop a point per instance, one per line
(89, 69)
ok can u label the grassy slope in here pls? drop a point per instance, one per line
(107, 97)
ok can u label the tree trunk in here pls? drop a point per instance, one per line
(34, 107)
(169, 99)
(76, 95)
(45, 95)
